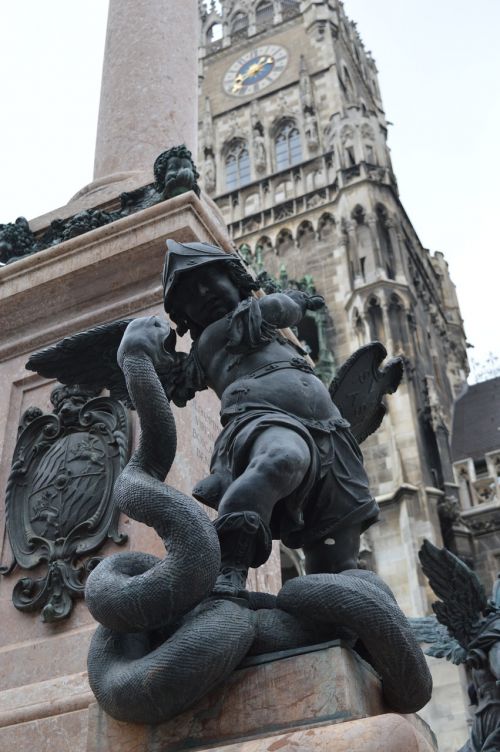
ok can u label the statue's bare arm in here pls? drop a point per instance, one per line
(288, 308)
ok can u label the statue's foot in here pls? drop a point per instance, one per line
(231, 583)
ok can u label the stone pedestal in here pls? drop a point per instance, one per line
(315, 699)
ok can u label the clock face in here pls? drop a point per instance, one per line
(255, 70)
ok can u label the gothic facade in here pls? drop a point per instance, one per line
(293, 150)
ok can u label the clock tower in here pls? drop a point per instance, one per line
(293, 149)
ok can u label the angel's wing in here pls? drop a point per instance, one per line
(441, 645)
(360, 385)
(87, 359)
(463, 599)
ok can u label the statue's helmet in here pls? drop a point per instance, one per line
(184, 257)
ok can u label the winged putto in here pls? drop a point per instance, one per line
(286, 465)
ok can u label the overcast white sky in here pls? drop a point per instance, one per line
(439, 67)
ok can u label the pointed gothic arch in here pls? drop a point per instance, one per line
(359, 327)
(375, 318)
(239, 25)
(213, 33)
(264, 13)
(384, 237)
(398, 322)
(284, 241)
(346, 83)
(364, 242)
(305, 234)
(326, 226)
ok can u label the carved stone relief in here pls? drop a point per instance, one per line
(58, 500)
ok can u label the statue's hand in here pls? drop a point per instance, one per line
(306, 301)
(149, 336)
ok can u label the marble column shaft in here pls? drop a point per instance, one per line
(149, 88)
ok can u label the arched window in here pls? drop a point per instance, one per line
(214, 33)
(397, 322)
(375, 320)
(305, 234)
(385, 241)
(239, 25)
(364, 244)
(284, 241)
(265, 244)
(288, 147)
(237, 165)
(326, 226)
(289, 6)
(359, 328)
(346, 84)
(264, 13)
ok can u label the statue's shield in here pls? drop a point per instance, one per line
(69, 484)
(59, 497)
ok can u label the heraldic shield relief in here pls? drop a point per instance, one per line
(59, 495)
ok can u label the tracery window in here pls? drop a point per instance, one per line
(290, 6)
(239, 25)
(237, 164)
(264, 13)
(214, 33)
(288, 147)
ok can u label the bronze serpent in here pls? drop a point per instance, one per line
(163, 642)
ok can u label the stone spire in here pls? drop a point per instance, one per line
(149, 84)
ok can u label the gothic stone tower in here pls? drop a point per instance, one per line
(293, 149)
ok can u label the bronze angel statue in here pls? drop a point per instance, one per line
(466, 630)
(286, 465)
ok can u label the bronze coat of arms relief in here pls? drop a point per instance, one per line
(59, 495)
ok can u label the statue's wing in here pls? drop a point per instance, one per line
(463, 599)
(440, 643)
(360, 385)
(87, 359)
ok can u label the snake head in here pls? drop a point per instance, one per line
(151, 337)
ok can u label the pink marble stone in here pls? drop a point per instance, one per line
(327, 686)
(385, 733)
(149, 83)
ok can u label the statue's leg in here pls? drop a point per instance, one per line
(277, 462)
(334, 553)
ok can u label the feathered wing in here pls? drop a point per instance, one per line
(87, 359)
(463, 599)
(360, 386)
(427, 629)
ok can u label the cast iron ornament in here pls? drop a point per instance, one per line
(172, 629)
(59, 496)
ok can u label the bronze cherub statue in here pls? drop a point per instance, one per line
(286, 464)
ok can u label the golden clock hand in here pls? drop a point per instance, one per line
(238, 84)
(252, 71)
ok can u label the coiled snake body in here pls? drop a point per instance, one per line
(163, 642)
